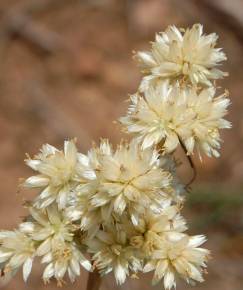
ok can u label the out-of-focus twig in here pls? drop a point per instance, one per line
(20, 25)
(18, 22)
(33, 6)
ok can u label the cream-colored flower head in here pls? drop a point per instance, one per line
(121, 206)
(180, 255)
(189, 56)
(47, 225)
(17, 249)
(147, 235)
(57, 174)
(112, 253)
(53, 234)
(169, 115)
(130, 178)
(64, 258)
(81, 208)
(95, 202)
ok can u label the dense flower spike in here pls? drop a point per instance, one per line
(178, 254)
(112, 252)
(57, 246)
(57, 174)
(172, 115)
(185, 55)
(122, 205)
(46, 233)
(127, 179)
(152, 228)
(17, 249)
(130, 179)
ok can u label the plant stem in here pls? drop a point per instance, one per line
(191, 164)
(94, 281)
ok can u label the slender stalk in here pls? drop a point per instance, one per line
(190, 160)
(94, 281)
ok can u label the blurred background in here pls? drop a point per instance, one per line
(66, 70)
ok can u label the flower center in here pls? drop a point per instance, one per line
(62, 252)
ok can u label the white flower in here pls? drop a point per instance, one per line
(112, 252)
(190, 57)
(64, 257)
(57, 174)
(16, 249)
(178, 254)
(81, 208)
(152, 227)
(122, 205)
(56, 245)
(45, 225)
(94, 203)
(130, 178)
(169, 115)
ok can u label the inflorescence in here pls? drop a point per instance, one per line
(119, 209)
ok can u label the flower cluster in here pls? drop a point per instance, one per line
(118, 209)
(172, 115)
(181, 55)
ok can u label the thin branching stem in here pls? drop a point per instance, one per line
(190, 160)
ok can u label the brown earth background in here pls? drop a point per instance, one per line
(66, 70)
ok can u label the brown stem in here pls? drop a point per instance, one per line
(94, 281)
(194, 175)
